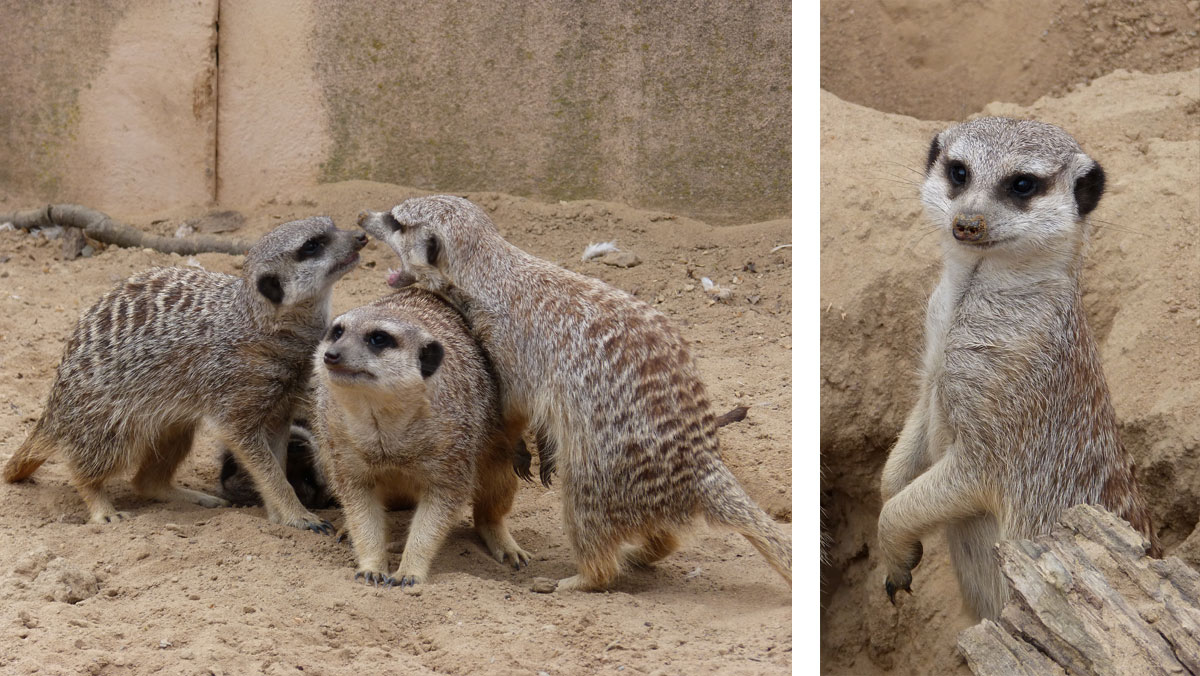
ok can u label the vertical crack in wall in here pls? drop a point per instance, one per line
(216, 85)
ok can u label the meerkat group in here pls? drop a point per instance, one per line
(1013, 422)
(422, 396)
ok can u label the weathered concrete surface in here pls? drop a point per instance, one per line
(683, 105)
(108, 103)
(117, 104)
(273, 129)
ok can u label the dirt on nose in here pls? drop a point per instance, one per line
(970, 228)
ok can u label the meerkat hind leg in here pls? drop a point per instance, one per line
(495, 488)
(658, 544)
(972, 542)
(158, 466)
(99, 504)
(597, 549)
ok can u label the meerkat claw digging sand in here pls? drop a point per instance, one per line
(1013, 422)
(603, 376)
(405, 400)
(172, 346)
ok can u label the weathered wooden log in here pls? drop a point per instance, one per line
(1086, 599)
(100, 227)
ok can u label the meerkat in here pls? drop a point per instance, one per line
(172, 346)
(1013, 422)
(406, 402)
(602, 376)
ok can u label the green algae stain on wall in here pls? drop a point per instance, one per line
(660, 106)
(40, 113)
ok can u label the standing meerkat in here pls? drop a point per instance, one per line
(171, 346)
(1013, 422)
(406, 402)
(601, 377)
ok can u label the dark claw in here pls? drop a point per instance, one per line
(375, 579)
(341, 537)
(892, 588)
(408, 581)
(323, 528)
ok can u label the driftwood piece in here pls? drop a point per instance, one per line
(1086, 599)
(100, 227)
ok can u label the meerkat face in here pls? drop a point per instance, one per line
(367, 348)
(301, 260)
(426, 233)
(1003, 185)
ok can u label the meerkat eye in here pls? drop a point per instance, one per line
(336, 332)
(310, 248)
(957, 173)
(391, 222)
(1024, 185)
(380, 340)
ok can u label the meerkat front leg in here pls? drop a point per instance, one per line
(910, 456)
(431, 522)
(940, 495)
(256, 453)
(366, 523)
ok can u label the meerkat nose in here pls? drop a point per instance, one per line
(332, 356)
(362, 217)
(360, 238)
(970, 228)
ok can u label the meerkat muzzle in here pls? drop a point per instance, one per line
(362, 217)
(970, 228)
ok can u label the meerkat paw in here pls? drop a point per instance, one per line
(110, 517)
(306, 521)
(375, 578)
(409, 579)
(503, 547)
(199, 498)
(577, 583)
(900, 578)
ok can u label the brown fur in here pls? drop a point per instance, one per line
(387, 428)
(172, 346)
(602, 376)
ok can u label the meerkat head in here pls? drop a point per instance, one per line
(300, 260)
(430, 235)
(369, 349)
(1010, 186)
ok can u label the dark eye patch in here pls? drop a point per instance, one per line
(432, 249)
(336, 332)
(310, 248)
(1020, 188)
(390, 221)
(380, 340)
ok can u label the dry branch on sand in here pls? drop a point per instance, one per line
(99, 227)
(1087, 600)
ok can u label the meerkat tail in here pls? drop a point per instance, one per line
(728, 505)
(30, 456)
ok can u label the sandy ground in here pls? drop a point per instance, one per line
(181, 589)
(879, 262)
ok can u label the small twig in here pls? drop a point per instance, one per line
(781, 246)
(100, 227)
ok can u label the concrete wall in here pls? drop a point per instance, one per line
(682, 106)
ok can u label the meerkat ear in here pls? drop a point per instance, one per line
(430, 358)
(935, 149)
(269, 286)
(1088, 189)
(432, 249)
